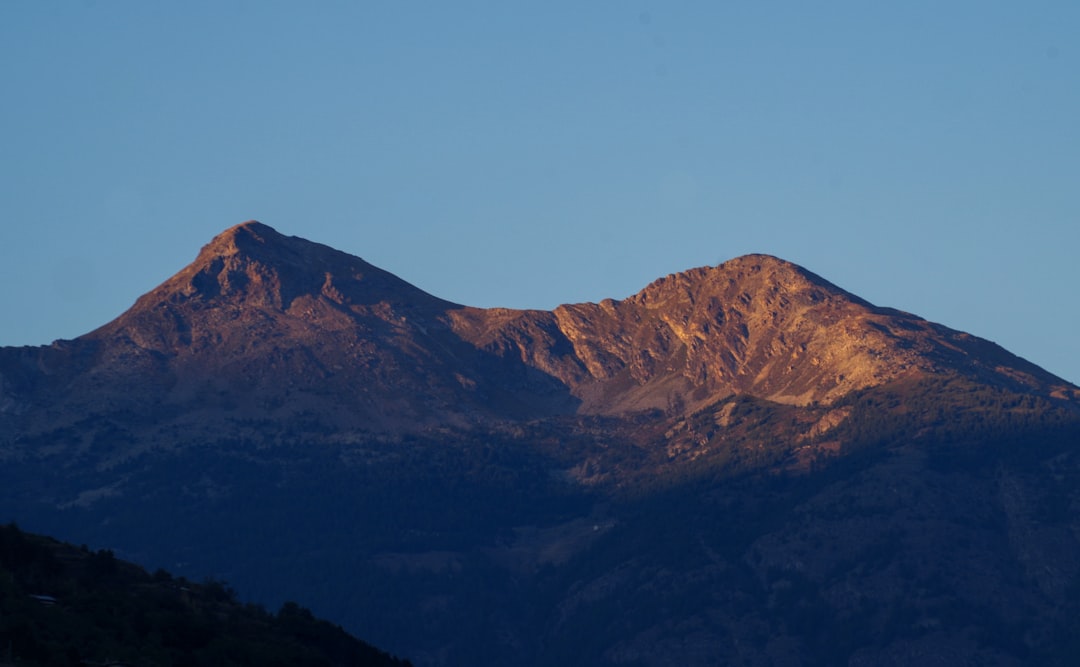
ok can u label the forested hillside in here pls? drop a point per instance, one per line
(62, 605)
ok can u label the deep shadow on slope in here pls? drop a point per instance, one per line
(913, 538)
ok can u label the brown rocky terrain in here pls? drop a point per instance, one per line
(755, 325)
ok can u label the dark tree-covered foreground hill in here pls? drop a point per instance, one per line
(62, 605)
(739, 465)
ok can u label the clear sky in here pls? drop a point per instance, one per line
(924, 155)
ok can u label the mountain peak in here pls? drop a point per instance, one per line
(250, 276)
(237, 237)
(252, 262)
(261, 243)
(744, 277)
(780, 273)
(256, 264)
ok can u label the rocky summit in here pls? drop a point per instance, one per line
(740, 464)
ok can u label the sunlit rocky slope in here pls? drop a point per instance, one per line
(268, 325)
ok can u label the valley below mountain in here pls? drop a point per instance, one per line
(741, 464)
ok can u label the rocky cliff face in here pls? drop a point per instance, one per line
(755, 325)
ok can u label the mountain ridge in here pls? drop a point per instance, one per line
(739, 464)
(258, 312)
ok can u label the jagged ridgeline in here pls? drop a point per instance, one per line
(63, 605)
(740, 464)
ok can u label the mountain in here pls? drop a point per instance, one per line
(267, 325)
(740, 464)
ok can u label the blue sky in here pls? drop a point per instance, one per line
(924, 155)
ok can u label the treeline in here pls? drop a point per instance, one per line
(66, 606)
